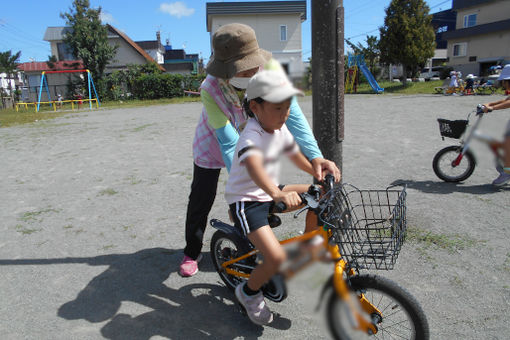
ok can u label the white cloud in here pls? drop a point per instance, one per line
(177, 9)
(106, 18)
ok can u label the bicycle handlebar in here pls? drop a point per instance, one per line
(279, 207)
(479, 109)
(311, 197)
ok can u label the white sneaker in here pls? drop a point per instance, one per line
(255, 306)
(502, 179)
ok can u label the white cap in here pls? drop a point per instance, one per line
(505, 74)
(470, 76)
(272, 86)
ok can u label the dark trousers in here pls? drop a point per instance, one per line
(201, 199)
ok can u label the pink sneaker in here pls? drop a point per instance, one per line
(189, 267)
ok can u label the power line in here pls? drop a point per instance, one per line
(11, 26)
(357, 9)
(439, 4)
(362, 34)
(19, 37)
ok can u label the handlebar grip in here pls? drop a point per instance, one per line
(279, 207)
(479, 109)
(329, 181)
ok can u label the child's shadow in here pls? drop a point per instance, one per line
(194, 311)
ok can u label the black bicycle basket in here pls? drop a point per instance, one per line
(452, 128)
(369, 226)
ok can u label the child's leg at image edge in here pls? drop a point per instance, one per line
(506, 147)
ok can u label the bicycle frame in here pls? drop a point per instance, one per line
(474, 134)
(340, 285)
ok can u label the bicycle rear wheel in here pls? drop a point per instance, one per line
(223, 249)
(443, 168)
(401, 315)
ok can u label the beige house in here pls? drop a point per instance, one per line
(128, 52)
(481, 38)
(276, 23)
(56, 83)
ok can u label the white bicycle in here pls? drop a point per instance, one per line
(456, 163)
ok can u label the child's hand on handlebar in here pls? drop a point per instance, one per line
(290, 198)
(487, 108)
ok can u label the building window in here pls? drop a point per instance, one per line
(469, 20)
(459, 50)
(64, 52)
(472, 58)
(283, 33)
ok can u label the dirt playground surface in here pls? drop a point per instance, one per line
(92, 211)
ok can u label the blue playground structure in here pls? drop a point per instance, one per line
(44, 83)
(355, 63)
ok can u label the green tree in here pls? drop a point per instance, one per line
(52, 59)
(88, 38)
(9, 66)
(407, 36)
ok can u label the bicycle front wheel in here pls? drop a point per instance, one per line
(443, 164)
(401, 315)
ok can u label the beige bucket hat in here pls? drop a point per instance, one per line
(235, 49)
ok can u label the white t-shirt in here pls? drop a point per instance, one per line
(255, 140)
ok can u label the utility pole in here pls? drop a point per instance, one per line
(328, 77)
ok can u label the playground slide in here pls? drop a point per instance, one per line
(370, 78)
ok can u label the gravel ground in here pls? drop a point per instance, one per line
(92, 211)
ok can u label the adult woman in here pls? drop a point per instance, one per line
(236, 58)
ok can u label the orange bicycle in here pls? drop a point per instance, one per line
(361, 230)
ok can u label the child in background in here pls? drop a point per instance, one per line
(470, 81)
(452, 88)
(253, 185)
(59, 100)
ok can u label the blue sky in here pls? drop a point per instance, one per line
(22, 25)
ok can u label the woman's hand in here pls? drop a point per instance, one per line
(323, 166)
(290, 198)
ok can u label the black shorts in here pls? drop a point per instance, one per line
(250, 216)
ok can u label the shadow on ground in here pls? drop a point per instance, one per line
(194, 311)
(432, 187)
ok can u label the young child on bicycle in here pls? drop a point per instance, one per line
(236, 58)
(253, 185)
(503, 177)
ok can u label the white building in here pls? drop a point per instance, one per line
(128, 52)
(4, 82)
(481, 38)
(277, 25)
(154, 48)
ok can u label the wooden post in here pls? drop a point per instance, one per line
(328, 77)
